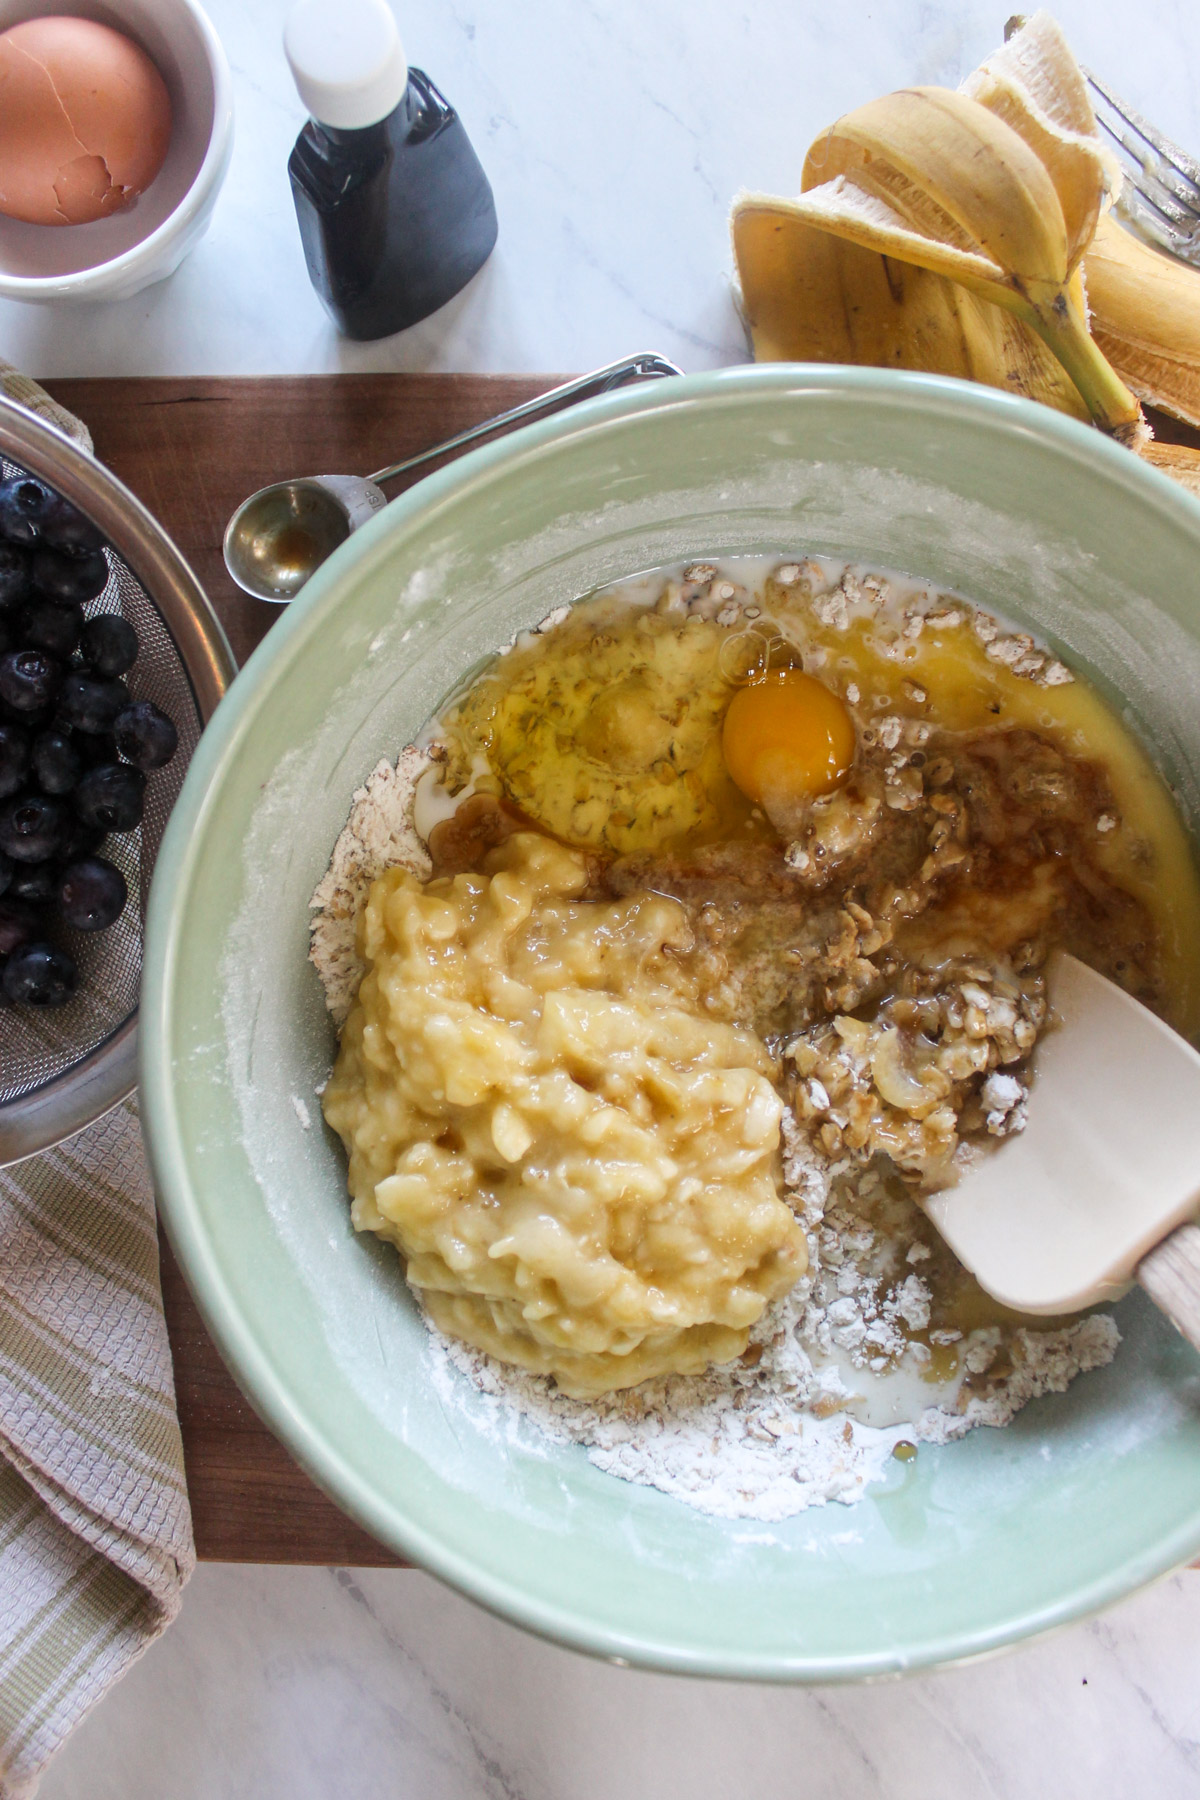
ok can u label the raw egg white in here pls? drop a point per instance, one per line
(787, 739)
(85, 121)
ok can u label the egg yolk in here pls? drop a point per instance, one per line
(786, 739)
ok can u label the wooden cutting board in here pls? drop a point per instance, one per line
(191, 450)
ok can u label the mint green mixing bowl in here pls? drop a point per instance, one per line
(1088, 1493)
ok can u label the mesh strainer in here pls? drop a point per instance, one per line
(61, 1069)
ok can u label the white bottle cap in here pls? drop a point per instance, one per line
(347, 60)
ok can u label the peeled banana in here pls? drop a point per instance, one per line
(607, 732)
(951, 231)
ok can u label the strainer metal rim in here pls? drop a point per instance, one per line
(98, 1081)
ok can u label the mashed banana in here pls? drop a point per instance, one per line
(579, 1165)
(606, 731)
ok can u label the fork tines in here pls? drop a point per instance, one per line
(1162, 185)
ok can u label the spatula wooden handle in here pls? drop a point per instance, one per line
(1170, 1275)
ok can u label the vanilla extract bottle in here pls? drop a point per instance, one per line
(395, 212)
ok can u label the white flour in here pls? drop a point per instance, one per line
(378, 835)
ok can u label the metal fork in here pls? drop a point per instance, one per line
(1161, 194)
(1160, 198)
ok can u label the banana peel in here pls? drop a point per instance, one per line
(961, 221)
(1179, 461)
(809, 296)
(1146, 318)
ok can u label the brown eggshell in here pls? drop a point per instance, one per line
(85, 121)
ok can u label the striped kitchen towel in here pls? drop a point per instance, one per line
(95, 1530)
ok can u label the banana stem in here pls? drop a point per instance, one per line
(1114, 409)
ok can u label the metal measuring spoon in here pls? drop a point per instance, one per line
(278, 537)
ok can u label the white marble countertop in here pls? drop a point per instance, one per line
(336, 1684)
(615, 133)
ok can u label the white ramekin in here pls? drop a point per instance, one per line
(114, 258)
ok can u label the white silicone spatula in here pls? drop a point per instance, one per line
(1097, 1189)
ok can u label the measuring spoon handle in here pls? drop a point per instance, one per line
(645, 366)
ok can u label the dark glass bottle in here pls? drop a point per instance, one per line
(395, 217)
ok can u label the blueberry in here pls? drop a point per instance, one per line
(70, 580)
(30, 722)
(109, 797)
(29, 680)
(32, 827)
(65, 528)
(145, 735)
(94, 746)
(88, 704)
(6, 872)
(56, 762)
(24, 503)
(18, 925)
(14, 759)
(39, 975)
(92, 894)
(43, 625)
(110, 645)
(14, 575)
(36, 883)
(80, 840)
